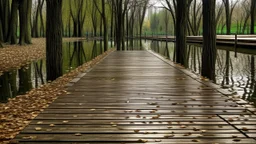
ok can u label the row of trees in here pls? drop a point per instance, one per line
(232, 16)
(187, 15)
(101, 17)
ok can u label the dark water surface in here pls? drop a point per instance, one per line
(74, 55)
(235, 73)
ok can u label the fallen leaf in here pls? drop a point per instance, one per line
(78, 134)
(38, 128)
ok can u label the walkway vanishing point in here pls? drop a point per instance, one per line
(138, 97)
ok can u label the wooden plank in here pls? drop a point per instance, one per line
(135, 97)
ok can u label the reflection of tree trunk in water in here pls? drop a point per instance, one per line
(219, 63)
(80, 54)
(39, 71)
(73, 54)
(83, 52)
(188, 55)
(194, 58)
(158, 47)
(253, 96)
(5, 90)
(253, 86)
(79, 57)
(25, 83)
(231, 74)
(252, 69)
(246, 94)
(174, 52)
(227, 67)
(131, 43)
(167, 49)
(13, 82)
(199, 52)
(36, 75)
(94, 50)
(141, 45)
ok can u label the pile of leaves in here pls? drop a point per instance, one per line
(20, 111)
(16, 56)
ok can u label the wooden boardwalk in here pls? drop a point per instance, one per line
(135, 97)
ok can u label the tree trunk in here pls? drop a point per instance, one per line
(112, 24)
(54, 39)
(36, 32)
(228, 17)
(12, 34)
(1, 30)
(5, 18)
(105, 25)
(25, 18)
(253, 6)
(209, 39)
(119, 27)
(28, 33)
(42, 29)
(181, 29)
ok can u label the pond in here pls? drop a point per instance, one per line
(74, 55)
(234, 71)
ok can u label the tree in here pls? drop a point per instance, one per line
(229, 9)
(195, 17)
(12, 32)
(54, 39)
(142, 14)
(119, 23)
(104, 20)
(25, 21)
(172, 8)
(5, 15)
(181, 29)
(38, 17)
(209, 39)
(253, 10)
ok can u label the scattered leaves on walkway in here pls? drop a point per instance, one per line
(19, 111)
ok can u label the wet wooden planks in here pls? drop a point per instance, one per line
(134, 97)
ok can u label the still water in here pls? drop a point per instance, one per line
(235, 73)
(16, 82)
(75, 54)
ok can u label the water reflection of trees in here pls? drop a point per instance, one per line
(38, 73)
(78, 54)
(235, 74)
(21, 80)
